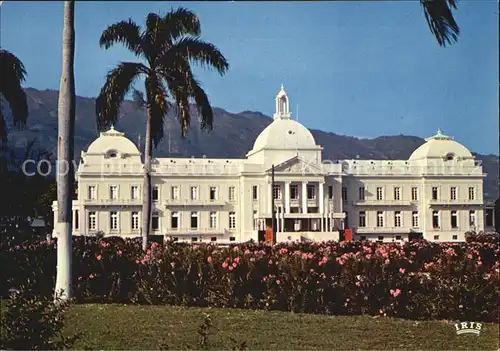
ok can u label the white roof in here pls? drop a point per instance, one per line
(285, 134)
(112, 140)
(440, 146)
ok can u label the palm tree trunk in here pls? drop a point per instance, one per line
(146, 207)
(65, 146)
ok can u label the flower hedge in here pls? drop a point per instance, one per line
(418, 280)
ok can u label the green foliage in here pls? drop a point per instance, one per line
(417, 280)
(30, 322)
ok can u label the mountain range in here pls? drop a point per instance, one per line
(232, 136)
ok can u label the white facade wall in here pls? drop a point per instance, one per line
(112, 160)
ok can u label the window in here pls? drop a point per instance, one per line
(397, 193)
(155, 193)
(255, 223)
(134, 192)
(232, 193)
(330, 192)
(194, 239)
(380, 193)
(194, 193)
(344, 194)
(362, 219)
(76, 219)
(380, 219)
(213, 193)
(135, 220)
(434, 193)
(194, 220)
(113, 220)
(454, 219)
(213, 220)
(91, 194)
(381, 238)
(311, 192)
(92, 221)
(155, 221)
(436, 237)
(488, 217)
(113, 192)
(398, 237)
(277, 192)
(362, 237)
(213, 238)
(414, 193)
(454, 237)
(397, 218)
(232, 238)
(174, 192)
(472, 217)
(294, 191)
(174, 220)
(232, 220)
(435, 219)
(414, 219)
(453, 193)
(472, 193)
(362, 193)
(255, 192)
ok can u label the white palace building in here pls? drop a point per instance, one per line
(436, 194)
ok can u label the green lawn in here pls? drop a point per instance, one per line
(149, 327)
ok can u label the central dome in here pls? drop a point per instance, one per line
(285, 134)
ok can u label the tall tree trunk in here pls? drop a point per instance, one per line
(65, 148)
(146, 207)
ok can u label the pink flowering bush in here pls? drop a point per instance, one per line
(418, 280)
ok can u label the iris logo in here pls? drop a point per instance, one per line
(468, 328)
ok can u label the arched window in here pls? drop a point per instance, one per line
(112, 154)
(449, 157)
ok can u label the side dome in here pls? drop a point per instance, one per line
(285, 134)
(112, 142)
(441, 146)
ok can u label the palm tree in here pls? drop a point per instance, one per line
(439, 16)
(167, 47)
(13, 74)
(65, 150)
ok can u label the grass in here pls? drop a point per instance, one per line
(154, 327)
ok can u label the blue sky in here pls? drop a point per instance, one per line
(355, 68)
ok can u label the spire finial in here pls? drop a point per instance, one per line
(282, 87)
(439, 131)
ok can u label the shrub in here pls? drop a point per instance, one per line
(420, 280)
(30, 322)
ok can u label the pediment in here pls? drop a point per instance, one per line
(296, 165)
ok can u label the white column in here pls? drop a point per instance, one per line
(269, 193)
(283, 220)
(303, 196)
(287, 197)
(321, 199)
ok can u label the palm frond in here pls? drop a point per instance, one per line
(127, 33)
(197, 51)
(15, 96)
(118, 83)
(176, 24)
(138, 98)
(11, 68)
(150, 36)
(201, 101)
(439, 16)
(157, 102)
